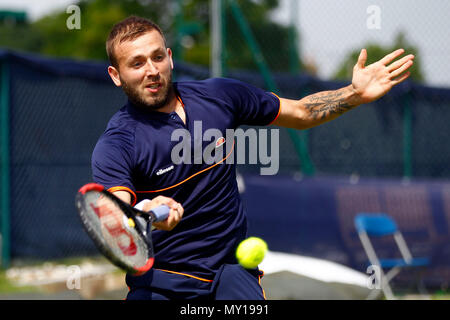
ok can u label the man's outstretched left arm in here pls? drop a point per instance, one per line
(369, 83)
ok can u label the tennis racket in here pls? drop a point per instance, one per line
(122, 233)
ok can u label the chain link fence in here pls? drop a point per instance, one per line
(312, 46)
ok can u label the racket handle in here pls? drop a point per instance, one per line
(160, 213)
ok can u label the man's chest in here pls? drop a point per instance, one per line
(172, 151)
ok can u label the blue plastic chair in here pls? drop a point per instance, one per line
(382, 225)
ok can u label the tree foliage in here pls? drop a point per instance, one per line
(273, 38)
(187, 32)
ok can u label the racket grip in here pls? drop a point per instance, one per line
(161, 212)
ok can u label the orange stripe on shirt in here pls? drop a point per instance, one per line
(181, 101)
(259, 281)
(195, 174)
(186, 275)
(121, 188)
(279, 109)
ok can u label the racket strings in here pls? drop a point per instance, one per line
(115, 228)
(120, 236)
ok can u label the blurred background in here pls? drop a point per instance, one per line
(391, 156)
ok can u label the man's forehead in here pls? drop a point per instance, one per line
(147, 43)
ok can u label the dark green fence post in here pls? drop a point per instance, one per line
(179, 21)
(223, 56)
(4, 165)
(300, 142)
(307, 163)
(407, 137)
(253, 44)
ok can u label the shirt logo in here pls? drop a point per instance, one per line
(220, 142)
(162, 171)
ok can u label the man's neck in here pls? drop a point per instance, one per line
(174, 105)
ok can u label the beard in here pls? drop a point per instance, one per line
(159, 101)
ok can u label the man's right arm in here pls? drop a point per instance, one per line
(369, 83)
(175, 213)
(123, 195)
(112, 163)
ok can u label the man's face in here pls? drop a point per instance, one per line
(144, 70)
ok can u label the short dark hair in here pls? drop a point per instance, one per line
(128, 30)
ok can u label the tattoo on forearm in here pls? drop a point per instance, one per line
(324, 105)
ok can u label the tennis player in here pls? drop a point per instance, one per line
(195, 247)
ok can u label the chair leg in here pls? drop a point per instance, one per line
(420, 283)
(385, 279)
(387, 290)
(384, 285)
(392, 273)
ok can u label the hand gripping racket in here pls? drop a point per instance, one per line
(122, 233)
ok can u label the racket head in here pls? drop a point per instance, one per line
(106, 220)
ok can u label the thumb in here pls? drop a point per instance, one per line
(362, 59)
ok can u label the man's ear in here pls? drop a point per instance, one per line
(114, 74)
(169, 52)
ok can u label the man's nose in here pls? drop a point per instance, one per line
(151, 69)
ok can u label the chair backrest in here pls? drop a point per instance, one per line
(375, 224)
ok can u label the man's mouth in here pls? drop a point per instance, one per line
(153, 87)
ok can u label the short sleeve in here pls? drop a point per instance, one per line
(252, 105)
(112, 162)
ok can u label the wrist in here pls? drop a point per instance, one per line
(354, 96)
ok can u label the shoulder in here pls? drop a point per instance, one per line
(122, 121)
(216, 87)
(119, 133)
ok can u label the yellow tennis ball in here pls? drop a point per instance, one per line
(251, 252)
(131, 223)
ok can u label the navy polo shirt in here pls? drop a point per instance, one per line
(134, 154)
